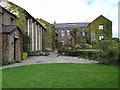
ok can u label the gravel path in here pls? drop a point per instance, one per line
(52, 58)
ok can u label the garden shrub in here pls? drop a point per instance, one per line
(94, 43)
(110, 54)
(24, 55)
(87, 46)
(116, 39)
(83, 54)
(62, 49)
(77, 46)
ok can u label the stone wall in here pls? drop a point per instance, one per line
(11, 45)
(8, 46)
(5, 44)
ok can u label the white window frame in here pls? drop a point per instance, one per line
(62, 42)
(68, 33)
(101, 26)
(101, 37)
(62, 33)
(83, 33)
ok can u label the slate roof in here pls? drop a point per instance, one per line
(72, 25)
(8, 28)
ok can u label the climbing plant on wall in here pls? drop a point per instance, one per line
(19, 12)
(26, 43)
(48, 34)
(73, 33)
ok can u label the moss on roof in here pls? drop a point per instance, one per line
(44, 23)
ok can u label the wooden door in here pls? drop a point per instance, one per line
(16, 48)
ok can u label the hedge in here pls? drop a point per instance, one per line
(84, 54)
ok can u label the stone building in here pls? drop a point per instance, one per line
(99, 29)
(11, 37)
(28, 25)
(34, 30)
(63, 33)
(48, 35)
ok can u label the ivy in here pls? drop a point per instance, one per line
(48, 36)
(26, 43)
(73, 33)
(106, 32)
(19, 12)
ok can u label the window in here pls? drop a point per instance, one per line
(68, 33)
(101, 37)
(83, 33)
(101, 26)
(62, 33)
(62, 42)
(56, 32)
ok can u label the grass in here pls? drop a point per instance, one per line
(61, 76)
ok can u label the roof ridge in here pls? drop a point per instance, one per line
(74, 23)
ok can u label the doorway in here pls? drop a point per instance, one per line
(16, 49)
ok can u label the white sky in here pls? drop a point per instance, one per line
(68, 11)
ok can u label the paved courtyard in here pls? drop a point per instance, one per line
(52, 58)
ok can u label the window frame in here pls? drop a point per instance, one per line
(62, 42)
(101, 26)
(62, 33)
(68, 33)
(101, 37)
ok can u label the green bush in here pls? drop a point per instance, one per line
(83, 54)
(77, 46)
(110, 54)
(116, 39)
(24, 55)
(62, 49)
(94, 43)
(87, 46)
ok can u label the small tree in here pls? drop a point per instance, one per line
(73, 33)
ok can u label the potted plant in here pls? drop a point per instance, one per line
(40, 52)
(34, 52)
(37, 51)
(47, 53)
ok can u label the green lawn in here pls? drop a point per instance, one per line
(61, 76)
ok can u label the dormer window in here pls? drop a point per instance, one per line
(101, 27)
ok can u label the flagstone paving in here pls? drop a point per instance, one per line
(52, 58)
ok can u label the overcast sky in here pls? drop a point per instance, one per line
(68, 11)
